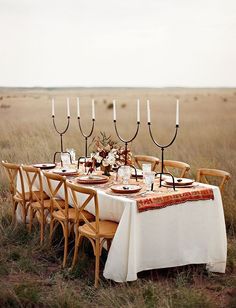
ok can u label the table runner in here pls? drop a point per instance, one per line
(162, 199)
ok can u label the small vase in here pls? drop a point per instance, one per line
(106, 170)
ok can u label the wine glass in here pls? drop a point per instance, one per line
(125, 173)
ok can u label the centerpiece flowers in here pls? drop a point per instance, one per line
(107, 154)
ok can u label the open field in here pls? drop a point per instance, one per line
(206, 138)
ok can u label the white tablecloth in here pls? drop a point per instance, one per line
(189, 233)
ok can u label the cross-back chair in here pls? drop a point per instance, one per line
(17, 190)
(60, 211)
(177, 168)
(139, 159)
(97, 232)
(39, 201)
(203, 175)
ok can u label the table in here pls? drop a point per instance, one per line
(173, 236)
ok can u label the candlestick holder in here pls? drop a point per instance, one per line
(86, 136)
(163, 147)
(61, 133)
(126, 142)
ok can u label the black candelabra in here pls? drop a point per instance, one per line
(163, 147)
(86, 136)
(126, 142)
(61, 133)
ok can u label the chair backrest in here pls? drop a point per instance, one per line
(223, 176)
(91, 194)
(139, 159)
(55, 182)
(13, 170)
(180, 168)
(34, 177)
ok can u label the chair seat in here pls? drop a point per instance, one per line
(107, 229)
(60, 215)
(18, 197)
(46, 204)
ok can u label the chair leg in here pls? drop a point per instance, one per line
(51, 229)
(31, 218)
(65, 231)
(41, 227)
(14, 207)
(78, 241)
(97, 261)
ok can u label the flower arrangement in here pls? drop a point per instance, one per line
(107, 153)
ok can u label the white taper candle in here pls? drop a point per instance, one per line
(68, 107)
(138, 110)
(53, 108)
(114, 110)
(93, 110)
(177, 112)
(78, 108)
(148, 112)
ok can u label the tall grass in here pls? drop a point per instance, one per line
(206, 136)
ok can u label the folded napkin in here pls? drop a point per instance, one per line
(164, 199)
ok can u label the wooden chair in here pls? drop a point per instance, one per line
(60, 211)
(202, 174)
(139, 159)
(180, 168)
(97, 232)
(39, 201)
(19, 197)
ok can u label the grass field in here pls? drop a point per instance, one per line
(30, 275)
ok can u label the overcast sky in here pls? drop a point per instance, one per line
(154, 43)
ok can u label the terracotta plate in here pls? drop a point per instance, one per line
(179, 181)
(126, 189)
(45, 166)
(92, 179)
(66, 172)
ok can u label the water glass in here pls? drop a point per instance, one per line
(146, 168)
(149, 179)
(125, 173)
(72, 154)
(65, 158)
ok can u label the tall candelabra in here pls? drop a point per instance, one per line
(127, 141)
(163, 147)
(61, 133)
(86, 136)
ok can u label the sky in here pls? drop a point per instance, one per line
(115, 43)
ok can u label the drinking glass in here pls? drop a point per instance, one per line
(149, 179)
(72, 154)
(65, 158)
(125, 173)
(146, 168)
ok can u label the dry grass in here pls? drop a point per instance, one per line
(206, 135)
(31, 276)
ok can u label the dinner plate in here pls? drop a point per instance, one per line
(179, 181)
(45, 166)
(126, 189)
(139, 173)
(180, 186)
(92, 179)
(66, 172)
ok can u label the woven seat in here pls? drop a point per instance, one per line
(35, 196)
(47, 204)
(60, 215)
(106, 229)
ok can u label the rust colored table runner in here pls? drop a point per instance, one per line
(166, 198)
